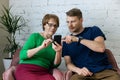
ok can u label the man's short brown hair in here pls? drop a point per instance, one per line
(75, 12)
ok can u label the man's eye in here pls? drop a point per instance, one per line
(72, 21)
(67, 22)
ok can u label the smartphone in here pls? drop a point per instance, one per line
(57, 38)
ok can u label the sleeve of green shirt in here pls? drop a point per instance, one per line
(30, 43)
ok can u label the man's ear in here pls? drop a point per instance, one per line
(81, 19)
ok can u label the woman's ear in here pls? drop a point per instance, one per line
(44, 27)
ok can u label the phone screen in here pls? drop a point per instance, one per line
(57, 38)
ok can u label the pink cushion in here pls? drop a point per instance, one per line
(58, 74)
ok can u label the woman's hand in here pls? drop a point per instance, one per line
(46, 43)
(57, 47)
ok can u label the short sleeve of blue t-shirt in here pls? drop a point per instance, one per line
(96, 31)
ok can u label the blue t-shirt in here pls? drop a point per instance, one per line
(82, 56)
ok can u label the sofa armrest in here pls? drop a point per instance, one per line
(58, 74)
(68, 74)
(9, 73)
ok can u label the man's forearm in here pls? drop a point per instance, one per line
(72, 67)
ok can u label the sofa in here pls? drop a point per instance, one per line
(64, 75)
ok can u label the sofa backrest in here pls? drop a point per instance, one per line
(15, 59)
(111, 58)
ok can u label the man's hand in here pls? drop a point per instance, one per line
(69, 39)
(83, 71)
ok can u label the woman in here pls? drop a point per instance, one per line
(39, 55)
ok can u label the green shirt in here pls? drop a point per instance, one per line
(44, 57)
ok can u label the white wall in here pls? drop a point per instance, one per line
(103, 13)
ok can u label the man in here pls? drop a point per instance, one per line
(83, 51)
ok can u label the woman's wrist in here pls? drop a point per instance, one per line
(58, 51)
